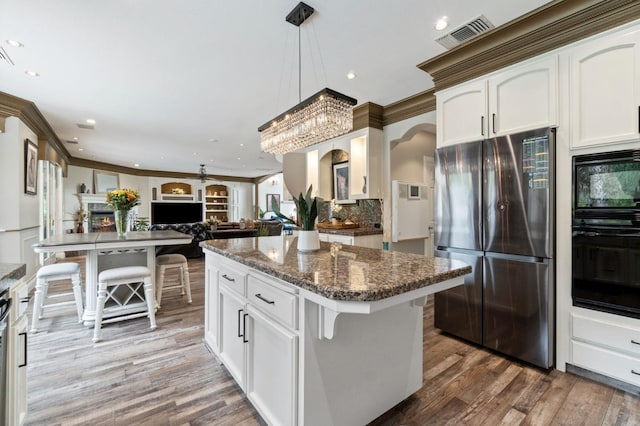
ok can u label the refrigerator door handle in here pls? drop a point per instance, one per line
(518, 258)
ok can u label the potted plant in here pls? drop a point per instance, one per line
(308, 238)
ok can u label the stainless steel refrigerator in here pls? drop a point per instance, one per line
(495, 211)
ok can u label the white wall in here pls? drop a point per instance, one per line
(407, 143)
(19, 216)
(273, 185)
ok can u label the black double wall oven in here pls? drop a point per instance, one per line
(606, 232)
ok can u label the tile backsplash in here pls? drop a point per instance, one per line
(367, 213)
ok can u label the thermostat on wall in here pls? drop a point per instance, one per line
(413, 191)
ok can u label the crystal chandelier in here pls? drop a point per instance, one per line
(323, 116)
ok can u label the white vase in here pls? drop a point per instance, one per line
(308, 240)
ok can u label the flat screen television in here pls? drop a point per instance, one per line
(162, 213)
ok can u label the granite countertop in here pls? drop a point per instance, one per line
(353, 232)
(10, 273)
(337, 271)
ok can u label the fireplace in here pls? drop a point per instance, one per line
(101, 221)
(100, 216)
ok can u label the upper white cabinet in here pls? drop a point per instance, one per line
(365, 165)
(462, 113)
(364, 150)
(522, 97)
(605, 90)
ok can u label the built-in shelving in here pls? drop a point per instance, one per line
(217, 202)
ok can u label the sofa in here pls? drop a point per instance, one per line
(197, 230)
(200, 232)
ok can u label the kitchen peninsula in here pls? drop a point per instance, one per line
(331, 337)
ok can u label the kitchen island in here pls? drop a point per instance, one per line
(332, 337)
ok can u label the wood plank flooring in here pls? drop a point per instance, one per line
(166, 377)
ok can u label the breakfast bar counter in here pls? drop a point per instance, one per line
(327, 337)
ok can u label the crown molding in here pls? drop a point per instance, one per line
(409, 107)
(90, 164)
(549, 27)
(29, 114)
(367, 115)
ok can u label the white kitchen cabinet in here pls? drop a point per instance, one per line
(604, 95)
(16, 410)
(461, 113)
(606, 344)
(211, 307)
(271, 379)
(365, 165)
(524, 97)
(231, 339)
(521, 97)
(257, 340)
(370, 241)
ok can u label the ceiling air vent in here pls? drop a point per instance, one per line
(72, 142)
(85, 126)
(4, 57)
(465, 32)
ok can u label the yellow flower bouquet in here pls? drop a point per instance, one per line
(123, 199)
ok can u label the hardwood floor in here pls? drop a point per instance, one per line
(166, 377)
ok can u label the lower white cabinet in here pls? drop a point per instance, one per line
(370, 241)
(256, 338)
(232, 337)
(16, 410)
(211, 305)
(272, 365)
(606, 344)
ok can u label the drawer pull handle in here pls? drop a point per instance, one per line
(635, 372)
(25, 299)
(635, 342)
(244, 327)
(270, 302)
(24, 364)
(228, 278)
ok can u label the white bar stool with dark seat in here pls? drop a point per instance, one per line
(56, 272)
(169, 261)
(131, 276)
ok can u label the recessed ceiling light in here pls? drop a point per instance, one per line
(31, 73)
(90, 121)
(14, 43)
(238, 158)
(351, 75)
(80, 149)
(241, 144)
(214, 140)
(75, 138)
(136, 165)
(442, 23)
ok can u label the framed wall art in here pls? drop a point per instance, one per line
(30, 167)
(341, 183)
(269, 205)
(104, 182)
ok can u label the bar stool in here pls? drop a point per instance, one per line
(109, 282)
(168, 261)
(56, 272)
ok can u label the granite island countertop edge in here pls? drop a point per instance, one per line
(362, 295)
(10, 273)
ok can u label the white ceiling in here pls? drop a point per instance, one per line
(173, 84)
